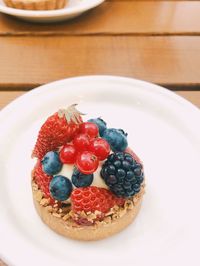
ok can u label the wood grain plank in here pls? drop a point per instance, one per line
(7, 96)
(30, 61)
(191, 96)
(118, 18)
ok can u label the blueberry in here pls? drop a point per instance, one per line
(51, 163)
(81, 180)
(100, 123)
(122, 131)
(60, 188)
(116, 139)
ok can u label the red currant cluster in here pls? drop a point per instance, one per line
(86, 149)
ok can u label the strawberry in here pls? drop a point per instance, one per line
(58, 129)
(42, 180)
(91, 199)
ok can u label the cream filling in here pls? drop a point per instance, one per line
(67, 171)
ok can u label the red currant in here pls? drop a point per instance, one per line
(89, 128)
(81, 142)
(100, 148)
(87, 162)
(68, 154)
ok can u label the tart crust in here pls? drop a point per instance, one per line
(36, 4)
(113, 223)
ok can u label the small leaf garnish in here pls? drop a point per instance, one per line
(71, 114)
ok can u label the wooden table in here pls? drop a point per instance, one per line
(156, 41)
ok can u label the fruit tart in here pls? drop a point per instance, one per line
(36, 4)
(87, 183)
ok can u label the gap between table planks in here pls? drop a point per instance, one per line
(118, 18)
(7, 96)
(27, 62)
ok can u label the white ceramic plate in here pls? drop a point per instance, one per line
(163, 130)
(73, 9)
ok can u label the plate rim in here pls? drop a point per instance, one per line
(151, 86)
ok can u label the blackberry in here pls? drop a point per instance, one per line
(122, 174)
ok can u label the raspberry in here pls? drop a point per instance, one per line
(91, 199)
(43, 181)
(122, 174)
